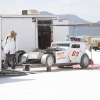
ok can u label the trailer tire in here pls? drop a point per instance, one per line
(47, 60)
(84, 63)
(18, 58)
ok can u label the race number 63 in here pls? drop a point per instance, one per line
(75, 53)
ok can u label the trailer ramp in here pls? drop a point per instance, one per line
(15, 72)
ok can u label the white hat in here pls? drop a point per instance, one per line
(12, 34)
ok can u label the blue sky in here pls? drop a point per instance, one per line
(85, 9)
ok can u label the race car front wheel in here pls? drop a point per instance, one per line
(84, 63)
(47, 60)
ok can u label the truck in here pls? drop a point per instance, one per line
(60, 53)
(93, 42)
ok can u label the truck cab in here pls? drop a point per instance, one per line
(95, 44)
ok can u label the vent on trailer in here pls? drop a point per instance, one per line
(30, 12)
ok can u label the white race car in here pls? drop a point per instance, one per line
(60, 53)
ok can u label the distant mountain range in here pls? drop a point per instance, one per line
(73, 19)
(98, 22)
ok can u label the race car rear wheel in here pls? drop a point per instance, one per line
(47, 60)
(84, 61)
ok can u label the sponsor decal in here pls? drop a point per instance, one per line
(61, 55)
(75, 53)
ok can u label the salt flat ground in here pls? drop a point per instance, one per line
(59, 84)
(63, 84)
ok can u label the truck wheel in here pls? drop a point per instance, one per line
(18, 58)
(84, 61)
(95, 48)
(47, 60)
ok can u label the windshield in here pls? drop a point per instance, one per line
(60, 44)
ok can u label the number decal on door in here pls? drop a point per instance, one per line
(75, 53)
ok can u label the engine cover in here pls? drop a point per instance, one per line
(35, 55)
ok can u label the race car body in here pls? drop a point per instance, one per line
(60, 53)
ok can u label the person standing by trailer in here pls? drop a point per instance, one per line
(10, 48)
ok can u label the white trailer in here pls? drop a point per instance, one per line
(30, 35)
(0, 44)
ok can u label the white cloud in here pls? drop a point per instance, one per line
(78, 1)
(64, 2)
(21, 0)
(94, 1)
(84, 9)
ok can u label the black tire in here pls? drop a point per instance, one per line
(19, 57)
(84, 63)
(95, 48)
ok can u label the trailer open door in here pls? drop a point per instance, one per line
(60, 33)
(0, 43)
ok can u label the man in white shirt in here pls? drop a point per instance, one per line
(10, 48)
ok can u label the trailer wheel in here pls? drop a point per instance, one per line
(84, 61)
(19, 57)
(47, 60)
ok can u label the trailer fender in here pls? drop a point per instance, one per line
(21, 51)
(19, 57)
